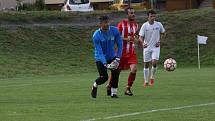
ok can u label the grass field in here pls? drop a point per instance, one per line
(28, 50)
(67, 98)
(46, 72)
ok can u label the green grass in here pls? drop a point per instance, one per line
(43, 51)
(46, 73)
(182, 30)
(67, 97)
(30, 50)
(50, 50)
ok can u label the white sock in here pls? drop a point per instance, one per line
(113, 91)
(153, 71)
(94, 84)
(146, 74)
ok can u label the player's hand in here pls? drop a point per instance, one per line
(115, 63)
(109, 66)
(136, 39)
(145, 45)
(127, 39)
(157, 44)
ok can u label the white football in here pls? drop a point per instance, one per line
(170, 64)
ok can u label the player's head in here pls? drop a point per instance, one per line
(104, 22)
(130, 13)
(151, 16)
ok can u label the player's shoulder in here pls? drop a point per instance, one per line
(145, 24)
(114, 29)
(124, 21)
(135, 23)
(96, 33)
(121, 22)
(158, 23)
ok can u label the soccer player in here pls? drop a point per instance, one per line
(129, 32)
(150, 35)
(104, 39)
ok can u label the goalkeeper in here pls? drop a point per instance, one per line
(106, 57)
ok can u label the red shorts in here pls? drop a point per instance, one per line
(126, 61)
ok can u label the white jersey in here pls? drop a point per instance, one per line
(151, 33)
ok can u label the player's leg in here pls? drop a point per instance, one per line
(114, 82)
(132, 75)
(122, 66)
(108, 86)
(146, 74)
(147, 59)
(103, 77)
(131, 78)
(155, 58)
(153, 71)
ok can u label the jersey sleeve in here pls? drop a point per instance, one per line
(119, 43)
(119, 26)
(137, 27)
(98, 50)
(142, 30)
(162, 30)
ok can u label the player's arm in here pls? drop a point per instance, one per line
(119, 26)
(162, 31)
(141, 36)
(118, 40)
(162, 35)
(101, 56)
(119, 43)
(98, 50)
(136, 36)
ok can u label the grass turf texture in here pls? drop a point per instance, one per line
(28, 54)
(49, 50)
(67, 97)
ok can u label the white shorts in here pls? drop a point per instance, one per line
(150, 54)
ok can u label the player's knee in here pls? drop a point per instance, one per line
(134, 70)
(154, 65)
(146, 65)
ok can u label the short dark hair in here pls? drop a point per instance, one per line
(128, 8)
(103, 18)
(151, 12)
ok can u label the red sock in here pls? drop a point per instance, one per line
(131, 79)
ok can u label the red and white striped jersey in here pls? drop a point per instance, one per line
(128, 30)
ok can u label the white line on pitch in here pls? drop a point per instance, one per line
(150, 111)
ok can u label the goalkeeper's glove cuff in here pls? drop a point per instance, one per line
(117, 59)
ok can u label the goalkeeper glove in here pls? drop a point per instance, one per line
(113, 65)
(109, 66)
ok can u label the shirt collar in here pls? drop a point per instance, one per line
(101, 30)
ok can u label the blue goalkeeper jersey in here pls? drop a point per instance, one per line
(104, 43)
